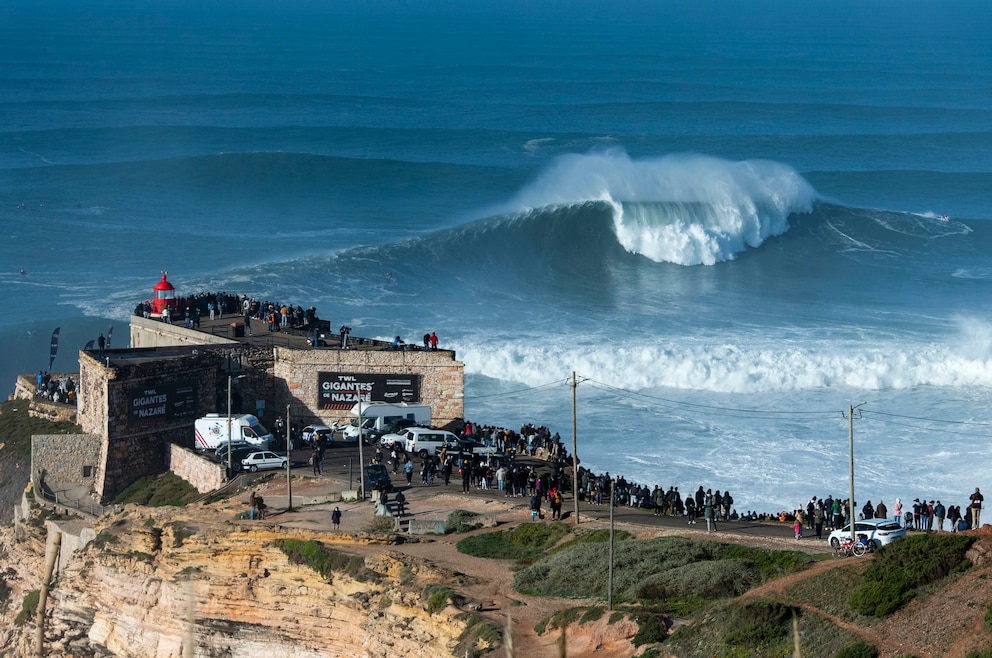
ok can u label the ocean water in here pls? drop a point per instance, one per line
(727, 219)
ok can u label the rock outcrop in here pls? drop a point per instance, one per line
(170, 582)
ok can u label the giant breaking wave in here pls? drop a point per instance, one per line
(683, 209)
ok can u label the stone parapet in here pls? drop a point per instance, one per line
(204, 474)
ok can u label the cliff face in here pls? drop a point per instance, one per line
(156, 579)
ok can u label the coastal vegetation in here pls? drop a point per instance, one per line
(159, 490)
(325, 560)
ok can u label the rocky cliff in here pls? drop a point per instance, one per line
(168, 582)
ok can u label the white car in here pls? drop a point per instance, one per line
(308, 432)
(880, 531)
(258, 461)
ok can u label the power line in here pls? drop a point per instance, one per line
(930, 420)
(730, 410)
(918, 427)
(522, 390)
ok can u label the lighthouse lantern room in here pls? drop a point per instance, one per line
(164, 296)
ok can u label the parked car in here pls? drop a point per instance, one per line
(237, 454)
(261, 460)
(307, 435)
(880, 531)
(221, 452)
(377, 477)
(392, 428)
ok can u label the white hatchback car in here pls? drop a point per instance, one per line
(262, 460)
(880, 531)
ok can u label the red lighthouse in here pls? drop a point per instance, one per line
(164, 296)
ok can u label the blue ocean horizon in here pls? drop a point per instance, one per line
(731, 221)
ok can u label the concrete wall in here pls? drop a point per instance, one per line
(442, 383)
(64, 459)
(148, 332)
(204, 474)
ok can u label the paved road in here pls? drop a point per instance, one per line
(341, 464)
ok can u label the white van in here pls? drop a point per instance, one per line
(380, 415)
(212, 430)
(423, 441)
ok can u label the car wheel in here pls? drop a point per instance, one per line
(253, 468)
(834, 542)
(423, 454)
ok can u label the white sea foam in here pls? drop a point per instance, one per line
(684, 209)
(748, 365)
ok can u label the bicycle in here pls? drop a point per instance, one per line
(856, 548)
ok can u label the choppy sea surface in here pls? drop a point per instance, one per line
(732, 221)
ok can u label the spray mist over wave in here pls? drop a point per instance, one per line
(746, 365)
(682, 209)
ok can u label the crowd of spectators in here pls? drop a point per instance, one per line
(62, 389)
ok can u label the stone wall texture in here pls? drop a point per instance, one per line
(202, 473)
(442, 379)
(133, 448)
(66, 458)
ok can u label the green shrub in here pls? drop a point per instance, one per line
(460, 521)
(438, 597)
(325, 560)
(859, 649)
(28, 607)
(559, 619)
(900, 568)
(651, 629)
(984, 653)
(478, 637)
(592, 613)
(675, 570)
(523, 543)
(166, 489)
(759, 626)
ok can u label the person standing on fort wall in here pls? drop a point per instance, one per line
(433, 340)
(247, 323)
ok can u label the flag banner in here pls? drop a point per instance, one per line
(55, 347)
(110, 336)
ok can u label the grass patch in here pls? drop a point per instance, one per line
(524, 543)
(859, 649)
(592, 613)
(559, 619)
(28, 607)
(683, 573)
(165, 489)
(592, 537)
(325, 560)
(478, 637)
(17, 426)
(438, 597)
(900, 568)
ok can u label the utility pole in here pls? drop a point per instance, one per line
(361, 451)
(850, 441)
(575, 457)
(609, 582)
(289, 461)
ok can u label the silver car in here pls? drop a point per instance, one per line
(880, 531)
(258, 461)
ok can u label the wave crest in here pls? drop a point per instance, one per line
(684, 209)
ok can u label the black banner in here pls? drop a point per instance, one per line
(341, 390)
(55, 347)
(164, 401)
